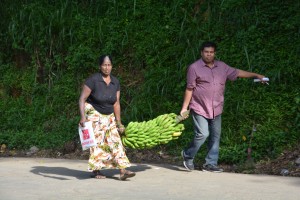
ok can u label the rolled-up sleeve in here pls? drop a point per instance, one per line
(191, 78)
(232, 73)
(90, 82)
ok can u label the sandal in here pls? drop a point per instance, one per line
(126, 174)
(98, 175)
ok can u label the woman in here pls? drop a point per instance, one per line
(99, 102)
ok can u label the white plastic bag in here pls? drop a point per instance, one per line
(87, 137)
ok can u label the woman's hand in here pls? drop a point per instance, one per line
(120, 127)
(82, 121)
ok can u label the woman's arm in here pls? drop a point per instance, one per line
(85, 93)
(117, 111)
(117, 108)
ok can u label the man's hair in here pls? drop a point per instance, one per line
(208, 44)
(101, 59)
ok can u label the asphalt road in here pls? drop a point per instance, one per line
(60, 179)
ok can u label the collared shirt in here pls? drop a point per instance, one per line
(208, 86)
(103, 96)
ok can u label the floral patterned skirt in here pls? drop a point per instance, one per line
(109, 152)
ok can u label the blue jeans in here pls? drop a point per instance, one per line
(203, 129)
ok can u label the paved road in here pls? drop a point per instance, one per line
(60, 179)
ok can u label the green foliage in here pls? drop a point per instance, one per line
(50, 47)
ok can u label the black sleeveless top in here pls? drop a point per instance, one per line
(103, 96)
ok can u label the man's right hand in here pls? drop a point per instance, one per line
(184, 113)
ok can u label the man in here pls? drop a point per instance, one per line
(204, 95)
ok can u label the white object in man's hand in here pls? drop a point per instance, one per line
(265, 79)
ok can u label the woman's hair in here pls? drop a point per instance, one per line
(208, 44)
(101, 59)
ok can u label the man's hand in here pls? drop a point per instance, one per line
(262, 79)
(184, 113)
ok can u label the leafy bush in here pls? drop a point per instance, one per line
(49, 48)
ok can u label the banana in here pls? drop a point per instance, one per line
(147, 134)
(176, 134)
(128, 143)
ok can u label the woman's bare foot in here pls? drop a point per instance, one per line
(98, 175)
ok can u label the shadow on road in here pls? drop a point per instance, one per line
(62, 173)
(171, 167)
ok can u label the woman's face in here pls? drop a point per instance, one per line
(106, 67)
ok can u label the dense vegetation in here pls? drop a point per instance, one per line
(49, 47)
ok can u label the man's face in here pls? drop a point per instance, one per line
(208, 54)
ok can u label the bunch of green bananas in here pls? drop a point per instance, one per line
(147, 134)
